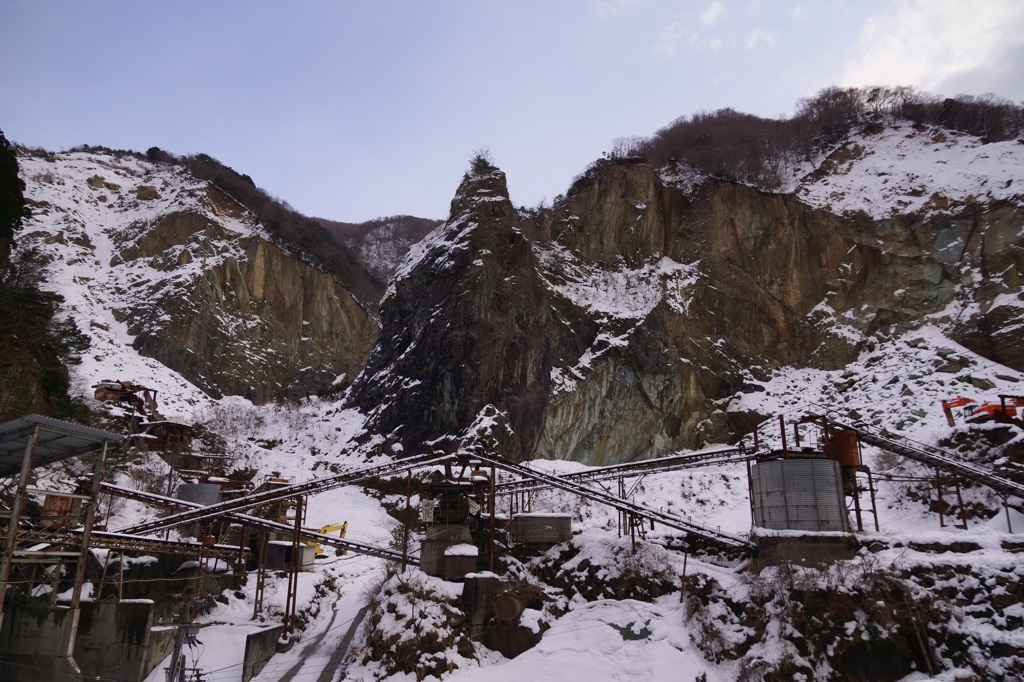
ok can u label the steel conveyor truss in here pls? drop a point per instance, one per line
(689, 460)
(725, 540)
(317, 485)
(936, 458)
(256, 522)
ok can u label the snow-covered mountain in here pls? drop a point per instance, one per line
(654, 310)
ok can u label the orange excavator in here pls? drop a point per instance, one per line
(1004, 411)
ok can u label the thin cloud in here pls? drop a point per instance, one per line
(609, 9)
(761, 36)
(670, 38)
(711, 14)
(689, 32)
(927, 43)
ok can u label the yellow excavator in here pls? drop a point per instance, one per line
(342, 528)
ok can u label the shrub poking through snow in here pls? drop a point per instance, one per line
(415, 628)
(850, 620)
(600, 568)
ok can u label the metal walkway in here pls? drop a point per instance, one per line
(725, 540)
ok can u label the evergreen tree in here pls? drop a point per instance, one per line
(37, 346)
(12, 199)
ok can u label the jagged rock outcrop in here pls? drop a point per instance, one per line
(651, 300)
(463, 335)
(258, 322)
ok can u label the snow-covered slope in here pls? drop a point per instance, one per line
(908, 169)
(152, 259)
(85, 210)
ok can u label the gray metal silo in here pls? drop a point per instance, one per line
(798, 494)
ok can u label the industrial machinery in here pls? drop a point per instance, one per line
(342, 528)
(1004, 411)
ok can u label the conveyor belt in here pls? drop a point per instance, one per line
(689, 460)
(725, 540)
(120, 542)
(256, 522)
(317, 485)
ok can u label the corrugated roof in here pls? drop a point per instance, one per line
(57, 440)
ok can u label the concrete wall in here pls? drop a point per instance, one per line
(810, 549)
(36, 643)
(115, 640)
(543, 528)
(260, 647)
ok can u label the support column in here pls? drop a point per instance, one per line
(15, 520)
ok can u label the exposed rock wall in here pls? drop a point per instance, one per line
(255, 322)
(464, 328)
(152, 256)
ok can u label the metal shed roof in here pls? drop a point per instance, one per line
(57, 440)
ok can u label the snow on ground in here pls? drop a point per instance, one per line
(624, 640)
(896, 385)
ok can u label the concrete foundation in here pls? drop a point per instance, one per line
(439, 538)
(478, 594)
(107, 639)
(37, 644)
(808, 549)
(116, 639)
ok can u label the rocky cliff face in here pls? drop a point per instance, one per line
(464, 331)
(190, 278)
(623, 323)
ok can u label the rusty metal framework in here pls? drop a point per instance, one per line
(43, 440)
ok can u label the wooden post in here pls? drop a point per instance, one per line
(491, 569)
(938, 485)
(90, 516)
(871, 489)
(405, 531)
(856, 502)
(960, 501)
(15, 519)
(782, 430)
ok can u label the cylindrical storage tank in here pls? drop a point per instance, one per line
(842, 447)
(798, 494)
(200, 493)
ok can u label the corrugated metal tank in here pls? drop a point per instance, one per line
(798, 494)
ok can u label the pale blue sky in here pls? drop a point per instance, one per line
(351, 110)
